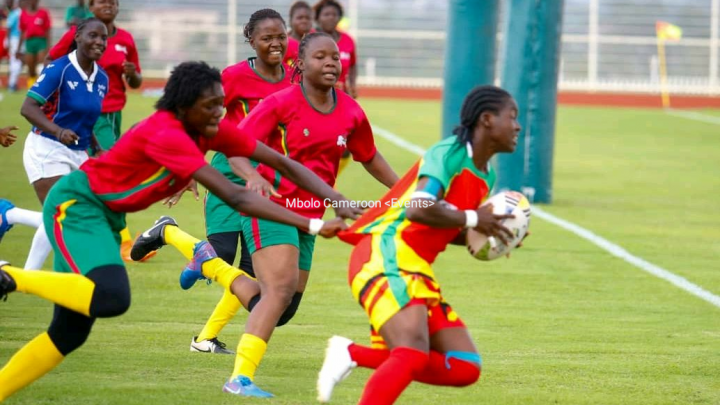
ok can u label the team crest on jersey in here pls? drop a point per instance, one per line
(121, 48)
(342, 141)
(72, 84)
(102, 87)
(344, 55)
(306, 132)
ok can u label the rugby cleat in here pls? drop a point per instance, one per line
(5, 226)
(209, 346)
(244, 386)
(7, 284)
(151, 240)
(193, 271)
(336, 367)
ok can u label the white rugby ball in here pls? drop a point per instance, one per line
(508, 202)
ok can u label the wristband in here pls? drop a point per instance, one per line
(315, 226)
(471, 219)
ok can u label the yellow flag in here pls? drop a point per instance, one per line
(667, 31)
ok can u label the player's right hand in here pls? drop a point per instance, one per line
(261, 186)
(332, 227)
(490, 224)
(7, 138)
(348, 212)
(67, 136)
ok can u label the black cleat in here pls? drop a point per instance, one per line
(152, 239)
(7, 284)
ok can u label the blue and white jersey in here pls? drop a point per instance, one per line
(70, 98)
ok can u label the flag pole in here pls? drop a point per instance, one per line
(663, 72)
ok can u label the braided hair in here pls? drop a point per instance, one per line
(81, 26)
(186, 83)
(327, 3)
(256, 17)
(479, 100)
(297, 73)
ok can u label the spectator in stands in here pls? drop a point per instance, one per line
(75, 14)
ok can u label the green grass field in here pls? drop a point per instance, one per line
(562, 322)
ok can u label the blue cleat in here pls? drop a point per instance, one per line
(244, 386)
(193, 271)
(5, 226)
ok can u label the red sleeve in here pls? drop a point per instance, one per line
(353, 52)
(23, 24)
(133, 53)
(48, 23)
(231, 141)
(262, 120)
(228, 80)
(175, 150)
(361, 143)
(63, 45)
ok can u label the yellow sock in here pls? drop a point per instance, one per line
(344, 162)
(72, 291)
(125, 235)
(250, 352)
(183, 241)
(31, 362)
(224, 311)
(222, 273)
(30, 82)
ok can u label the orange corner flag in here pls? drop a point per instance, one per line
(667, 31)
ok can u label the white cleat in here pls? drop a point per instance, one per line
(336, 367)
(209, 346)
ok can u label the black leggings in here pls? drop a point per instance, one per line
(111, 297)
(226, 244)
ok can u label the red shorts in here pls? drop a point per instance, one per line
(440, 316)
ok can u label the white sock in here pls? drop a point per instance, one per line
(39, 250)
(20, 216)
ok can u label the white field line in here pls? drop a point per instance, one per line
(695, 116)
(599, 241)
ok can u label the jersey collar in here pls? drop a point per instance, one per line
(88, 80)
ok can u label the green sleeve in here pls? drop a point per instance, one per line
(69, 14)
(435, 164)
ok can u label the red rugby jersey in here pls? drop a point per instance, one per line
(120, 47)
(348, 57)
(315, 139)
(245, 88)
(35, 24)
(155, 159)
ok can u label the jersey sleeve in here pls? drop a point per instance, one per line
(228, 82)
(63, 45)
(47, 24)
(361, 142)
(434, 164)
(47, 83)
(175, 150)
(231, 141)
(133, 53)
(262, 120)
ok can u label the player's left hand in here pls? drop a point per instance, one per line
(332, 227)
(519, 244)
(174, 199)
(7, 138)
(129, 69)
(348, 212)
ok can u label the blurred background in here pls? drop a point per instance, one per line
(607, 45)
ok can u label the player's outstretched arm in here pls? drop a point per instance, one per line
(259, 207)
(303, 177)
(379, 168)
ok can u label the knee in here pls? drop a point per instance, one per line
(470, 375)
(291, 309)
(281, 293)
(69, 330)
(112, 291)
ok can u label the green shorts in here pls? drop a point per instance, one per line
(220, 217)
(35, 45)
(107, 129)
(84, 233)
(260, 233)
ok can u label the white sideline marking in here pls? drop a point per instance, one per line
(695, 116)
(599, 241)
